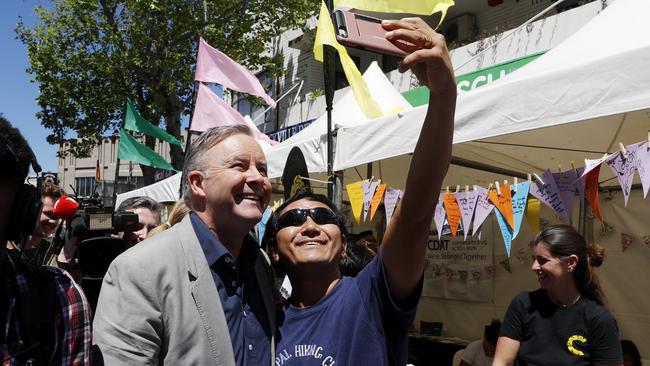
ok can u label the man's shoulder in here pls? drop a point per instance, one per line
(159, 249)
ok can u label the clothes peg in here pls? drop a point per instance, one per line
(538, 178)
(530, 176)
(496, 184)
(457, 189)
(623, 150)
(447, 189)
(559, 168)
(515, 179)
(573, 166)
(475, 189)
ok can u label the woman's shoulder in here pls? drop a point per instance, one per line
(595, 312)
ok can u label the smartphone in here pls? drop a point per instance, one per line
(362, 31)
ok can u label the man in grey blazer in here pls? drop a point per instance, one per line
(199, 293)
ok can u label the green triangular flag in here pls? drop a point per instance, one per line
(131, 149)
(133, 121)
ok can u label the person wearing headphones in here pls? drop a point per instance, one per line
(44, 315)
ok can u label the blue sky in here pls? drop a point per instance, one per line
(18, 94)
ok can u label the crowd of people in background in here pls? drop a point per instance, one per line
(198, 290)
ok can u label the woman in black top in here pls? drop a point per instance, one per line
(564, 322)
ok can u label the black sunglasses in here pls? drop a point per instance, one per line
(298, 216)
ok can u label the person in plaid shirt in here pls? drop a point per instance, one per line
(44, 316)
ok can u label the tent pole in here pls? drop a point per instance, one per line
(329, 71)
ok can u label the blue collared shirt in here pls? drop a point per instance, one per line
(240, 295)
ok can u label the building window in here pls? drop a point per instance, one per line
(241, 104)
(85, 186)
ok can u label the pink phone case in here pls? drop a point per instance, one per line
(362, 31)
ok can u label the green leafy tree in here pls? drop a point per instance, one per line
(89, 56)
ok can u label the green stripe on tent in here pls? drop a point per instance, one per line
(475, 79)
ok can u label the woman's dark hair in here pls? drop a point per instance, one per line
(268, 241)
(356, 257)
(630, 348)
(563, 241)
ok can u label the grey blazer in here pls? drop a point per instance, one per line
(159, 305)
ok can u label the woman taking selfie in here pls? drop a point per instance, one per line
(564, 322)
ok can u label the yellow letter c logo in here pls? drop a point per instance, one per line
(569, 344)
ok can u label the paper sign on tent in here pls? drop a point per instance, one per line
(532, 214)
(506, 231)
(591, 192)
(519, 200)
(503, 203)
(483, 209)
(643, 165)
(467, 203)
(390, 201)
(368, 192)
(623, 168)
(439, 215)
(549, 194)
(355, 193)
(376, 200)
(453, 212)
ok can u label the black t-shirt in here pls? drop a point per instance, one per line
(581, 334)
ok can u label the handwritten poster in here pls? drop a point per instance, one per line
(459, 269)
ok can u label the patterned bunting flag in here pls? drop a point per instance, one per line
(355, 194)
(506, 231)
(626, 241)
(519, 200)
(549, 194)
(390, 201)
(483, 209)
(623, 168)
(439, 215)
(591, 191)
(467, 203)
(503, 203)
(368, 192)
(453, 212)
(532, 214)
(643, 165)
(376, 200)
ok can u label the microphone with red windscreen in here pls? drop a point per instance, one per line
(65, 208)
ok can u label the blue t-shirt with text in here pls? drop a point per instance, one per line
(358, 323)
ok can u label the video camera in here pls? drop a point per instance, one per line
(89, 218)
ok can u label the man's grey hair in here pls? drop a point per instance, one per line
(141, 201)
(196, 157)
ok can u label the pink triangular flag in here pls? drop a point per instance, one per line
(643, 165)
(623, 168)
(390, 201)
(211, 111)
(368, 192)
(483, 209)
(214, 66)
(467, 203)
(550, 195)
(439, 215)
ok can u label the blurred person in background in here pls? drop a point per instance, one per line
(175, 216)
(148, 211)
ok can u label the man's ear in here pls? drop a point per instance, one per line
(273, 254)
(195, 180)
(572, 262)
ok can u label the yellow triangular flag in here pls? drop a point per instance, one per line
(325, 36)
(532, 214)
(355, 194)
(422, 7)
(376, 200)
